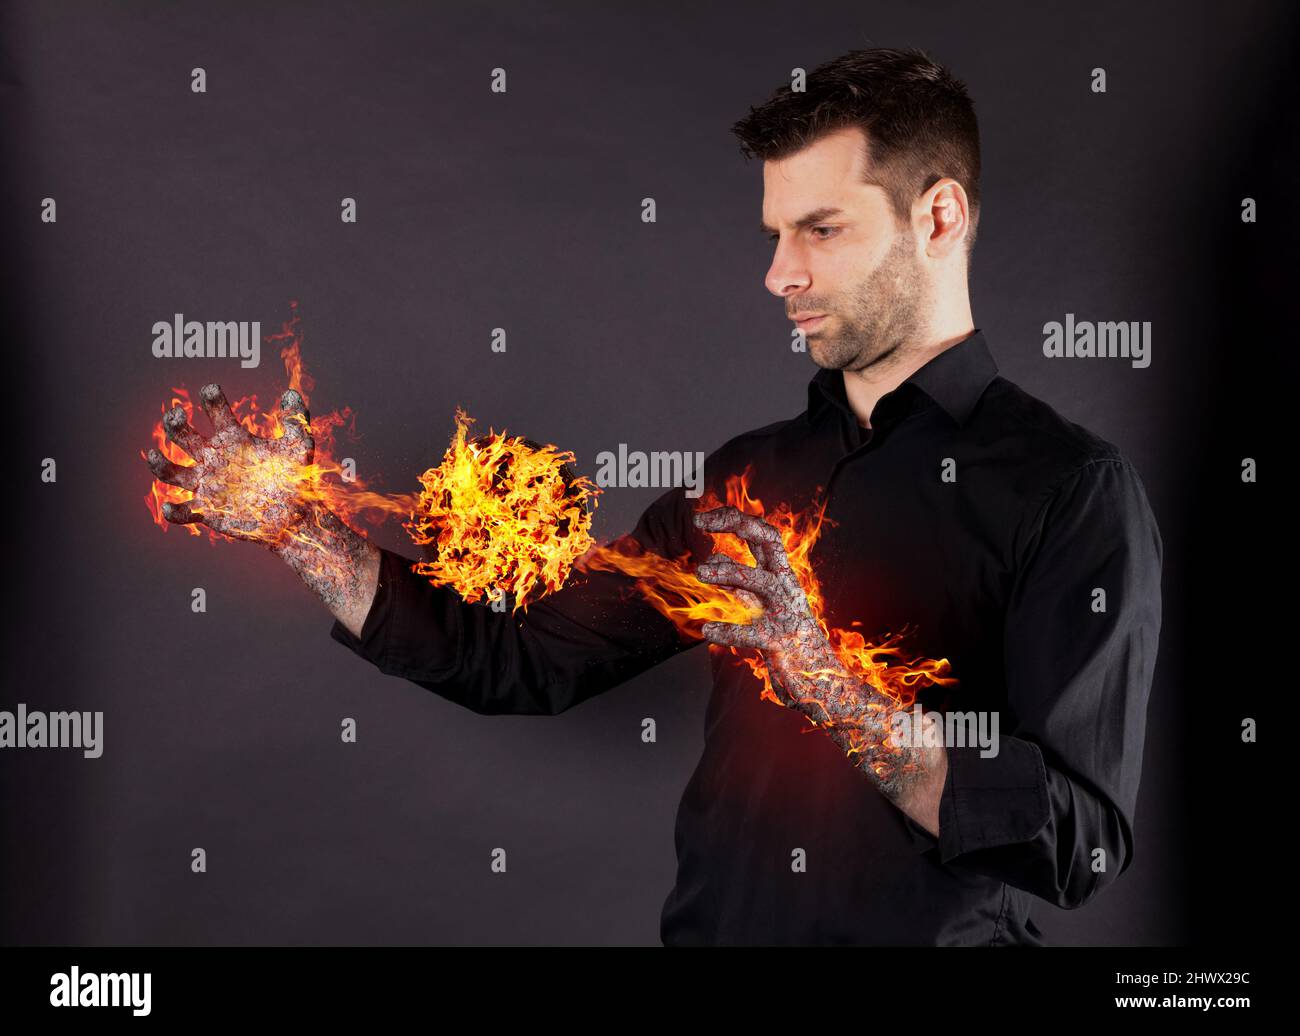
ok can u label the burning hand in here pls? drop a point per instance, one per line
(245, 486)
(269, 491)
(786, 631)
(809, 674)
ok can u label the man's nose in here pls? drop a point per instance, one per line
(788, 273)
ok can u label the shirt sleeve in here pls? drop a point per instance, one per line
(594, 633)
(1064, 781)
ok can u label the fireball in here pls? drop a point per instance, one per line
(506, 517)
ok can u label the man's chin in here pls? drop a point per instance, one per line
(825, 354)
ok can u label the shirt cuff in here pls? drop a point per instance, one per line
(993, 801)
(401, 632)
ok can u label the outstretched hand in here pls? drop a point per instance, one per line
(245, 486)
(266, 491)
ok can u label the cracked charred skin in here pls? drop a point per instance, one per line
(338, 564)
(266, 491)
(805, 670)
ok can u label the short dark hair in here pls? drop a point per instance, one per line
(918, 119)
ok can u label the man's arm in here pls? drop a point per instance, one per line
(347, 584)
(1052, 812)
(591, 635)
(594, 633)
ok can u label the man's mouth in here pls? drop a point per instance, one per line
(809, 323)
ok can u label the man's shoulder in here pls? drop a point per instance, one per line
(1046, 445)
(1049, 465)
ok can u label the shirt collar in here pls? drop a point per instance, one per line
(955, 379)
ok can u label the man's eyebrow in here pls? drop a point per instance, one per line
(816, 216)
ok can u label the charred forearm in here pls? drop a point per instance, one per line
(910, 776)
(860, 721)
(336, 563)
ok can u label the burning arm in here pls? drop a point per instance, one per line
(809, 674)
(267, 491)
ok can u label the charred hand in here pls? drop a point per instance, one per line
(806, 672)
(244, 486)
(261, 489)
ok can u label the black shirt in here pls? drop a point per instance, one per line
(1035, 571)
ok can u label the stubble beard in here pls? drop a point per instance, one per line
(877, 318)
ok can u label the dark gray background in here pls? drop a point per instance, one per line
(478, 210)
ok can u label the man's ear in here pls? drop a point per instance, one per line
(945, 208)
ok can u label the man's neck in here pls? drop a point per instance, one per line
(865, 388)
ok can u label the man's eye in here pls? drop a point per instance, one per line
(830, 232)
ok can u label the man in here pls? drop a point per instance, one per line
(1015, 544)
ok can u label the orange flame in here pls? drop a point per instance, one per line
(671, 586)
(503, 517)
